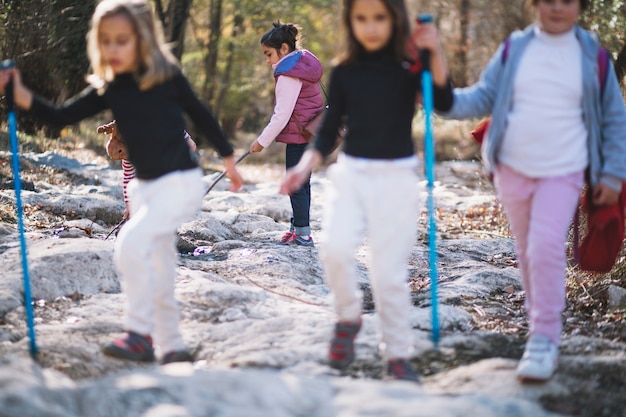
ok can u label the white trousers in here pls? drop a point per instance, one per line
(379, 200)
(145, 253)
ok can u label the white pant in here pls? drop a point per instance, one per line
(145, 253)
(378, 199)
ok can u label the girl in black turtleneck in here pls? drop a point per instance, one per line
(374, 89)
(136, 77)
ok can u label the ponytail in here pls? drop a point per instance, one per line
(281, 33)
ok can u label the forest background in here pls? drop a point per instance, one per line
(217, 42)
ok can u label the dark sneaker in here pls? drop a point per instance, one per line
(133, 347)
(300, 241)
(288, 237)
(341, 353)
(176, 356)
(401, 369)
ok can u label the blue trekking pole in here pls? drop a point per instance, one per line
(429, 159)
(17, 183)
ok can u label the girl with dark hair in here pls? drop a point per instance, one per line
(298, 99)
(374, 180)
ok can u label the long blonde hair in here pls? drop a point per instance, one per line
(155, 61)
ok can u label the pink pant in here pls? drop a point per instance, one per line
(540, 211)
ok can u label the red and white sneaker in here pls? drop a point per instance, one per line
(288, 237)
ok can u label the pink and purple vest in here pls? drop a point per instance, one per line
(305, 66)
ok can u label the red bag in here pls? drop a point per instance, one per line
(479, 132)
(605, 234)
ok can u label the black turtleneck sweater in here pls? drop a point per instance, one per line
(376, 97)
(151, 122)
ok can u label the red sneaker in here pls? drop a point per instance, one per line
(134, 347)
(401, 369)
(288, 237)
(341, 353)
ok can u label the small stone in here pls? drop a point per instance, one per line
(617, 297)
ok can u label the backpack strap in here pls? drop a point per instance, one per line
(505, 49)
(323, 88)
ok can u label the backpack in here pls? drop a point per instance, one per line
(309, 130)
(598, 250)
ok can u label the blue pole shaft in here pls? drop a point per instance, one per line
(28, 302)
(429, 159)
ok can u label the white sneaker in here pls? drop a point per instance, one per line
(540, 359)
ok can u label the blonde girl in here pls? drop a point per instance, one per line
(138, 79)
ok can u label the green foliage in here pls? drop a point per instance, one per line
(47, 41)
(608, 19)
(248, 100)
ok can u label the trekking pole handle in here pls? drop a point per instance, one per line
(7, 64)
(422, 19)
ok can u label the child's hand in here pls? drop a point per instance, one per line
(296, 176)
(604, 196)
(256, 147)
(5, 77)
(126, 215)
(22, 96)
(426, 36)
(233, 175)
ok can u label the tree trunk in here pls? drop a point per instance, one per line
(226, 77)
(210, 61)
(174, 21)
(460, 67)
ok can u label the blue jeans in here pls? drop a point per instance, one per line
(301, 199)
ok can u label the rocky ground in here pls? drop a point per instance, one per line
(258, 315)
